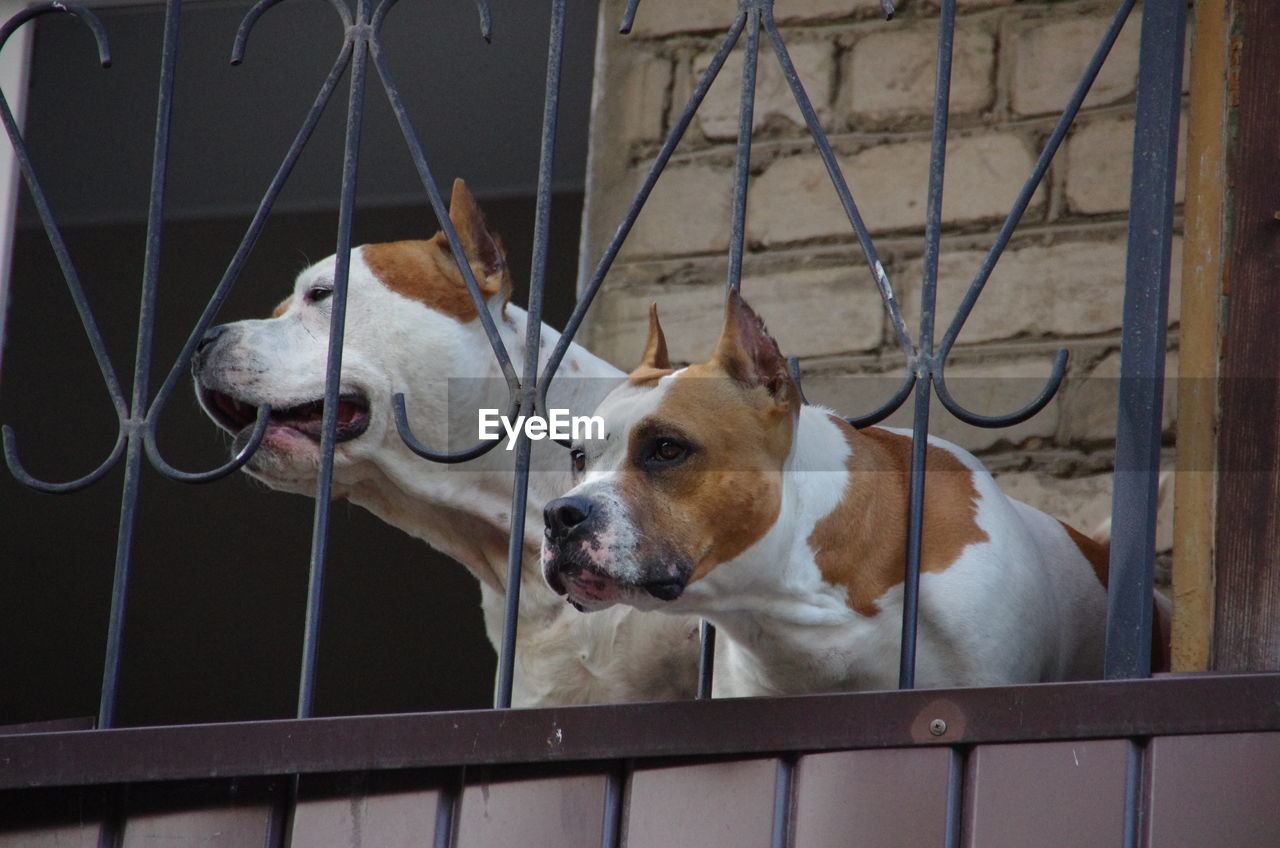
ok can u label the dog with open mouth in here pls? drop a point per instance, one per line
(718, 493)
(412, 327)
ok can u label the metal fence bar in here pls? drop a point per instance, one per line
(146, 325)
(333, 366)
(706, 659)
(447, 810)
(954, 833)
(532, 349)
(783, 802)
(611, 816)
(65, 265)
(925, 364)
(1135, 771)
(742, 167)
(1142, 346)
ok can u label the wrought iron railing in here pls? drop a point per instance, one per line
(1143, 344)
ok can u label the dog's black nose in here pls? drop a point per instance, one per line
(212, 336)
(564, 515)
(197, 360)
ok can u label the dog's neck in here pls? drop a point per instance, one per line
(464, 510)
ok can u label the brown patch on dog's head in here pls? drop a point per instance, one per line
(427, 271)
(654, 363)
(282, 307)
(733, 419)
(862, 544)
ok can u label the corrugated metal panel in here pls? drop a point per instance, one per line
(711, 805)
(69, 836)
(859, 797)
(388, 820)
(221, 827)
(561, 812)
(1221, 790)
(1057, 793)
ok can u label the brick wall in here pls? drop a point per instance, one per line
(1059, 284)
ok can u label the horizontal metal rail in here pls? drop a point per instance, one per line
(1159, 706)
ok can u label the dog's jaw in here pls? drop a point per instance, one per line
(238, 415)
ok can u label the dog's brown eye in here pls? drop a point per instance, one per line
(668, 450)
(578, 457)
(315, 294)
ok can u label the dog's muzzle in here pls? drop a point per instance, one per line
(235, 410)
(572, 524)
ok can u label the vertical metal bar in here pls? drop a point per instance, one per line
(447, 810)
(783, 793)
(611, 818)
(113, 818)
(1142, 347)
(515, 564)
(1135, 775)
(915, 532)
(746, 113)
(926, 364)
(955, 798)
(532, 347)
(333, 365)
(706, 659)
(141, 375)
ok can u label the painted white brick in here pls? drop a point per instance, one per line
(1068, 289)
(687, 212)
(1090, 414)
(890, 73)
(637, 94)
(811, 312)
(1050, 55)
(793, 200)
(718, 114)
(1071, 288)
(1100, 165)
(660, 18)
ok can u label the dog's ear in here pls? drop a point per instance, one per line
(750, 355)
(484, 249)
(655, 349)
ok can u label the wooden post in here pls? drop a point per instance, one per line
(1200, 344)
(1246, 632)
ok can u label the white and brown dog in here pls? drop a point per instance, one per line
(717, 493)
(412, 327)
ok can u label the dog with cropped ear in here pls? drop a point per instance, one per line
(717, 493)
(413, 327)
